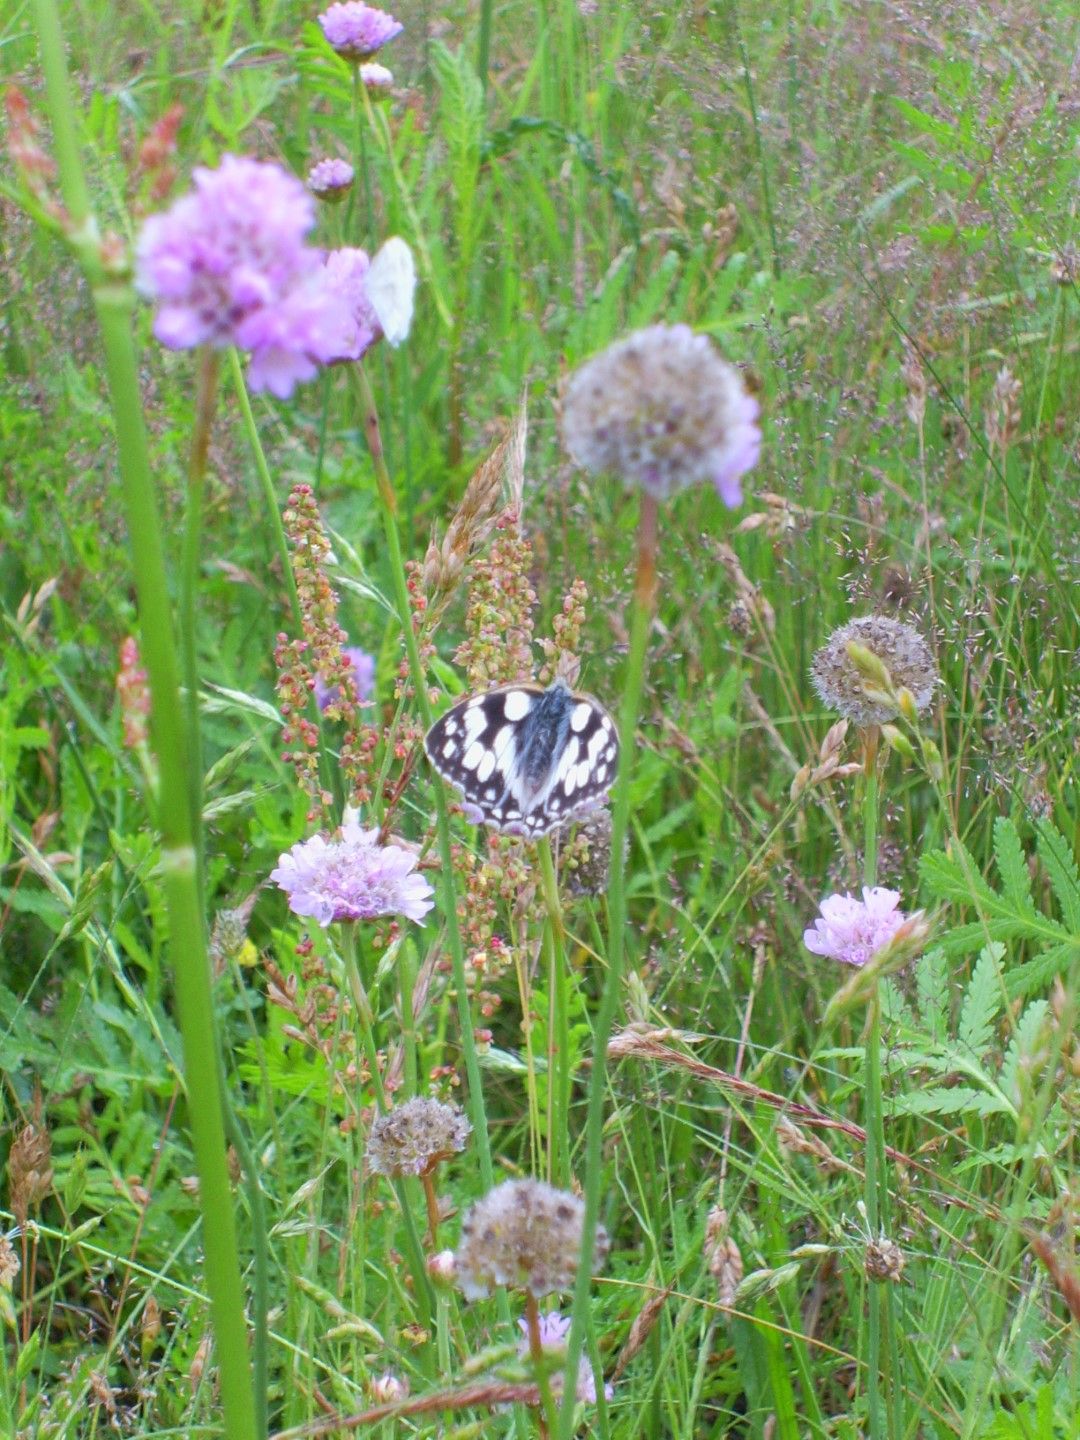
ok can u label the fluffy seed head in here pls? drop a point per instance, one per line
(662, 410)
(526, 1234)
(899, 647)
(413, 1138)
(883, 1259)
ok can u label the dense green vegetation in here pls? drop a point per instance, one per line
(872, 210)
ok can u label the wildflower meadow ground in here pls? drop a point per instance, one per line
(539, 720)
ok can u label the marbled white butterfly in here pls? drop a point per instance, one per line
(526, 759)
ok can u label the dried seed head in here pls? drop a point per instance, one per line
(662, 410)
(586, 860)
(413, 1138)
(30, 1172)
(722, 1255)
(9, 1263)
(526, 1234)
(883, 1259)
(899, 648)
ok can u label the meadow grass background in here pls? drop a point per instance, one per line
(862, 204)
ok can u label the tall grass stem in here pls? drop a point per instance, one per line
(114, 303)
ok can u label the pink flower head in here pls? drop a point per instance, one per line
(356, 30)
(363, 668)
(330, 179)
(352, 878)
(376, 77)
(375, 296)
(554, 1331)
(227, 265)
(853, 930)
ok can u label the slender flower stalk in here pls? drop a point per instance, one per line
(643, 607)
(114, 303)
(558, 1125)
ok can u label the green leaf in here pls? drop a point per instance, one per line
(950, 1100)
(1025, 1039)
(932, 989)
(1060, 865)
(1012, 864)
(982, 1001)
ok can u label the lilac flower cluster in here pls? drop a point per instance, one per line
(554, 1333)
(853, 931)
(363, 668)
(352, 878)
(228, 265)
(330, 179)
(356, 31)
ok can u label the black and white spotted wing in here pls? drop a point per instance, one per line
(526, 759)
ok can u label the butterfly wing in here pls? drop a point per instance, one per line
(524, 759)
(390, 286)
(474, 746)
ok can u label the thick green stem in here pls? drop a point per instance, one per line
(644, 603)
(114, 303)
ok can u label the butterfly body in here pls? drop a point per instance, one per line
(526, 759)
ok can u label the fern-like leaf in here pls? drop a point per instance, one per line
(982, 1001)
(1012, 865)
(1060, 864)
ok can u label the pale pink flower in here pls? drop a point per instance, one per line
(554, 1332)
(352, 878)
(853, 931)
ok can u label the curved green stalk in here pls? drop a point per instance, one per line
(114, 302)
(558, 1143)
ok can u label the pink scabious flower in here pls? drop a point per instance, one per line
(356, 30)
(554, 1330)
(227, 264)
(363, 668)
(330, 179)
(853, 930)
(352, 878)
(663, 410)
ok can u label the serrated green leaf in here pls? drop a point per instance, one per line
(1038, 973)
(932, 989)
(1012, 864)
(982, 1001)
(954, 876)
(1060, 865)
(1024, 1040)
(950, 1100)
